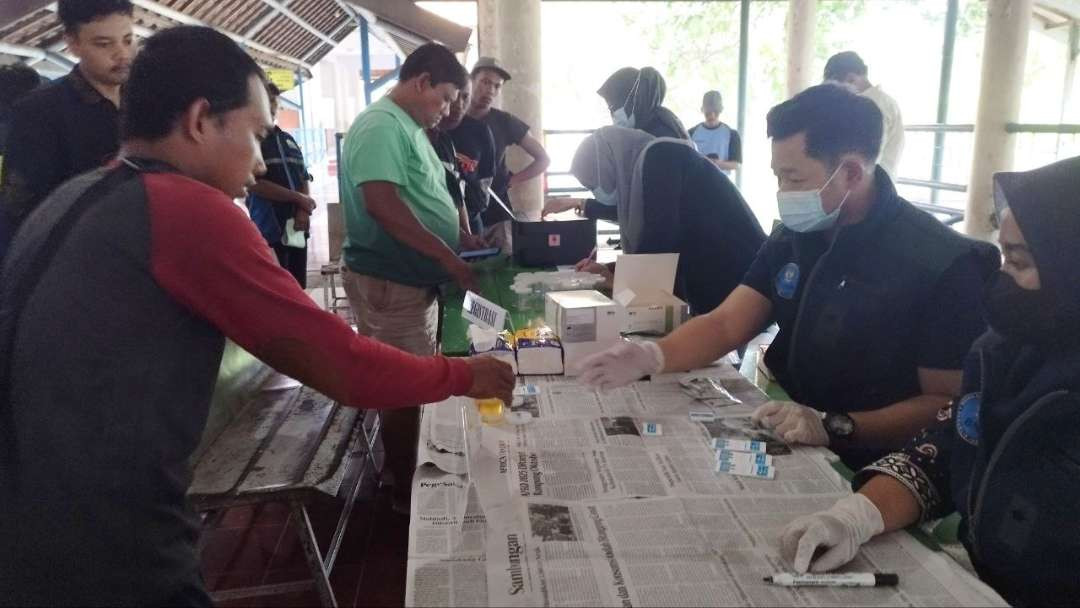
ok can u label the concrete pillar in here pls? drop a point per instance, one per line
(801, 18)
(1004, 53)
(487, 27)
(518, 44)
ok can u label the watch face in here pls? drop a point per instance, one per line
(840, 425)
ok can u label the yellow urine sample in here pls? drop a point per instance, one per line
(491, 410)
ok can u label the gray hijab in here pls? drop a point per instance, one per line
(611, 158)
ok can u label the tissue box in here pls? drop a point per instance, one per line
(585, 321)
(503, 350)
(539, 351)
(652, 312)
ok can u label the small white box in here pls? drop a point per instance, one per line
(585, 321)
(642, 288)
(503, 350)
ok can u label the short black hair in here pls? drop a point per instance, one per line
(73, 13)
(438, 62)
(175, 68)
(835, 121)
(16, 80)
(272, 90)
(841, 64)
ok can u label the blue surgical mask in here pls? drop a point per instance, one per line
(620, 119)
(604, 197)
(802, 211)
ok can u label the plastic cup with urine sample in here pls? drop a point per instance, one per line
(491, 410)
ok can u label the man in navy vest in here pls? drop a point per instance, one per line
(877, 301)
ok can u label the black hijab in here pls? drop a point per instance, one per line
(641, 94)
(1046, 205)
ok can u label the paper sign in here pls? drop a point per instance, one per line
(652, 429)
(283, 79)
(482, 312)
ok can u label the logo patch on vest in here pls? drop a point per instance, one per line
(967, 417)
(787, 280)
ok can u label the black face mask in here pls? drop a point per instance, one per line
(1024, 316)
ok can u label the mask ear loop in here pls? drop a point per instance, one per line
(631, 95)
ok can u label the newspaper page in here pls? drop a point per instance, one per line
(655, 552)
(608, 457)
(580, 506)
(446, 582)
(447, 535)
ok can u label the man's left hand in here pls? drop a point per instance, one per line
(301, 221)
(794, 423)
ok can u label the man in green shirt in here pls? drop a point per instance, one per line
(403, 235)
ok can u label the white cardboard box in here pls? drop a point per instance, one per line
(642, 288)
(585, 321)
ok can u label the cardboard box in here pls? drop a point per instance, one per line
(642, 288)
(585, 321)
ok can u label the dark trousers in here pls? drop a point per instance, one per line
(294, 260)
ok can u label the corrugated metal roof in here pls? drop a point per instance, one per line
(293, 34)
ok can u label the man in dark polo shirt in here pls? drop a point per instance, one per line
(70, 126)
(877, 302)
(507, 130)
(283, 194)
(107, 367)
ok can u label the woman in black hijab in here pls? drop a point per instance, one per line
(667, 198)
(635, 99)
(1006, 455)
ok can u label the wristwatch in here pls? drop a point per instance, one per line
(840, 427)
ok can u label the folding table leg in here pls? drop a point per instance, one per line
(319, 573)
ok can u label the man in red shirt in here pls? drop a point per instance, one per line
(115, 301)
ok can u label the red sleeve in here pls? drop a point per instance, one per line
(208, 255)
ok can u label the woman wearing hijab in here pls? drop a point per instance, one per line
(1007, 454)
(634, 98)
(667, 198)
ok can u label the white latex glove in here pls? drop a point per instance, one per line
(792, 422)
(621, 364)
(841, 530)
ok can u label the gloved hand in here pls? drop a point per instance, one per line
(792, 422)
(841, 530)
(621, 364)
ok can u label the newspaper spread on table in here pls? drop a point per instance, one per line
(580, 507)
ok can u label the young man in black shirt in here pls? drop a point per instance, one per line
(475, 149)
(71, 125)
(460, 169)
(506, 129)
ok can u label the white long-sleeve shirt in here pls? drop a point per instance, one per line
(892, 140)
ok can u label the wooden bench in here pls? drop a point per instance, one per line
(288, 445)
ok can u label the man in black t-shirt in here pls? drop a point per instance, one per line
(507, 130)
(467, 151)
(475, 146)
(70, 125)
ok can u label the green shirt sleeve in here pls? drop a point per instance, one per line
(378, 150)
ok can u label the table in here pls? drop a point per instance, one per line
(494, 276)
(583, 507)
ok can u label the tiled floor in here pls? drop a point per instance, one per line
(254, 545)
